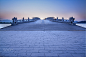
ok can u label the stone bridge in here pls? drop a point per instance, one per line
(43, 25)
(43, 38)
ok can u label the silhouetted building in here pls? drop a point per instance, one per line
(50, 18)
(36, 18)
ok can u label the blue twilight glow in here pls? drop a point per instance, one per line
(42, 9)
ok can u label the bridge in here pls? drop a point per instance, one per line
(43, 25)
(43, 38)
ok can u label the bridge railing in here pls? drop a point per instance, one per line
(15, 21)
(70, 21)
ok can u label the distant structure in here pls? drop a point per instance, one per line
(50, 18)
(62, 18)
(23, 19)
(28, 19)
(36, 18)
(14, 21)
(57, 19)
(44, 18)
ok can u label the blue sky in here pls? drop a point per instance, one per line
(42, 9)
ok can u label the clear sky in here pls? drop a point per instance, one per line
(43, 9)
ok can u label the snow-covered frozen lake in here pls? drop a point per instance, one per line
(82, 25)
(4, 25)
